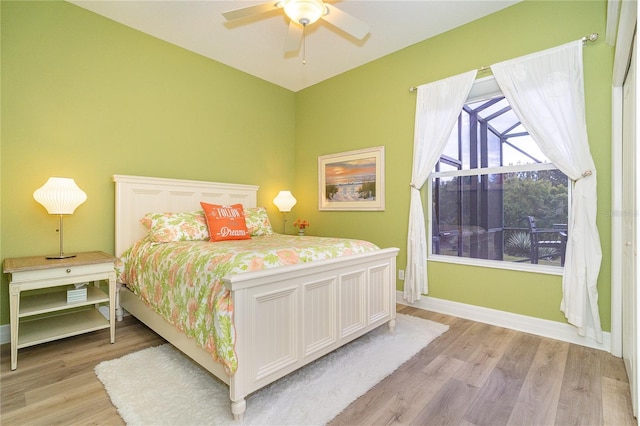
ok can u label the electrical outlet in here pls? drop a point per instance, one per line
(401, 274)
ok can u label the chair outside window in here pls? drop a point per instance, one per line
(553, 241)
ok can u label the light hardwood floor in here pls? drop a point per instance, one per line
(474, 374)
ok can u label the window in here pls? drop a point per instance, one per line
(494, 195)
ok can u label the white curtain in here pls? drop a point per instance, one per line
(546, 91)
(438, 106)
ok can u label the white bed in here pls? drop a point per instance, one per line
(317, 306)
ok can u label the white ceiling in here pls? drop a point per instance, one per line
(255, 45)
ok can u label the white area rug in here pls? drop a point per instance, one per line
(159, 386)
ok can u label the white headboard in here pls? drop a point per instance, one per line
(139, 195)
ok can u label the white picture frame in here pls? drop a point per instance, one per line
(352, 180)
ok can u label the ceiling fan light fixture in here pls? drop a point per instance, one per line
(304, 12)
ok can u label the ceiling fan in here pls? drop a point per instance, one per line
(302, 13)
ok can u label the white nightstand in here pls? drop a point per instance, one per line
(45, 315)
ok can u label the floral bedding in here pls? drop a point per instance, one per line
(182, 280)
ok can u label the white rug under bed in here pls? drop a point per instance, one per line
(160, 386)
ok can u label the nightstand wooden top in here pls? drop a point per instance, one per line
(21, 264)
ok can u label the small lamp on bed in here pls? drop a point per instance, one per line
(284, 201)
(60, 196)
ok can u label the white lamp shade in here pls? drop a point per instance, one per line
(285, 201)
(304, 12)
(60, 195)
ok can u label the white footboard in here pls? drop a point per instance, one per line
(288, 317)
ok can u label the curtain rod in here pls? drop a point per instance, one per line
(591, 37)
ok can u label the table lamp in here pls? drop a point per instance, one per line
(284, 201)
(60, 196)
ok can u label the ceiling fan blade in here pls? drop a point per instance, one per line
(245, 12)
(346, 22)
(294, 36)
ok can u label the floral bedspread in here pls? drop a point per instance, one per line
(182, 280)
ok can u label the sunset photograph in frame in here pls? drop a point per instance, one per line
(352, 180)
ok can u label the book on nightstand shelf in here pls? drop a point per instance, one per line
(77, 294)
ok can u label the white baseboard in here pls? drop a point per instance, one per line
(540, 327)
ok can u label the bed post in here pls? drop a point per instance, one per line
(392, 325)
(119, 310)
(237, 390)
(238, 408)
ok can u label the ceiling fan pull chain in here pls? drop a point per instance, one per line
(304, 44)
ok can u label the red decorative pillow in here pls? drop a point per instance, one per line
(225, 222)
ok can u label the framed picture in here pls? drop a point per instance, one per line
(352, 180)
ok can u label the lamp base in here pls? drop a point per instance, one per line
(61, 256)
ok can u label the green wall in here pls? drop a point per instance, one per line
(85, 97)
(372, 106)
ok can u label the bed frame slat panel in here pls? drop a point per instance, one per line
(353, 316)
(319, 315)
(276, 330)
(380, 288)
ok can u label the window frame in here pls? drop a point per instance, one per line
(484, 89)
